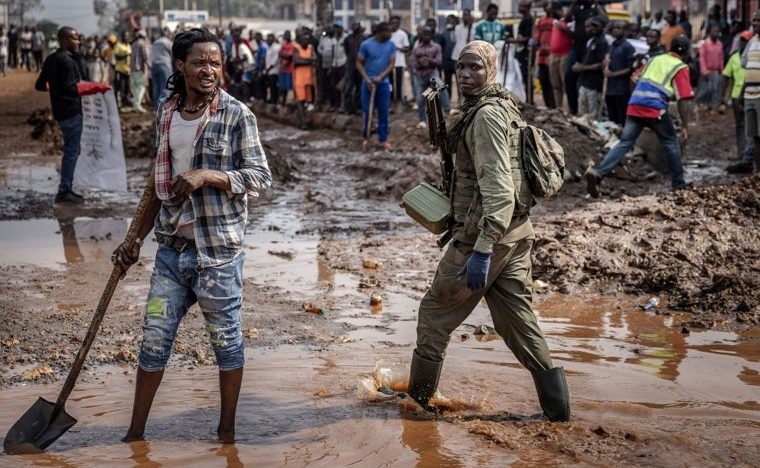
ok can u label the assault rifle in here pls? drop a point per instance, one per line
(439, 138)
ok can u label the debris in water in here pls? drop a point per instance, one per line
(651, 303)
(485, 330)
(451, 405)
(382, 382)
(371, 264)
(376, 300)
(323, 392)
(37, 372)
(684, 330)
(390, 391)
(312, 309)
(366, 388)
(600, 431)
(282, 254)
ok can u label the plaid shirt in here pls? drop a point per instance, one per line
(227, 140)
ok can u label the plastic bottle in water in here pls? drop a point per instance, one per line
(651, 303)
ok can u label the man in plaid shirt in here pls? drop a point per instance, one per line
(209, 160)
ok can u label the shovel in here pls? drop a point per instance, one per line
(368, 130)
(45, 421)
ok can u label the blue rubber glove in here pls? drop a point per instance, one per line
(475, 270)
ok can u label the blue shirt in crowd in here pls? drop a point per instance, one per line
(621, 57)
(376, 56)
(261, 57)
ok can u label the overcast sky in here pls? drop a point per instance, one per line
(76, 13)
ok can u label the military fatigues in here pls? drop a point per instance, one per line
(490, 206)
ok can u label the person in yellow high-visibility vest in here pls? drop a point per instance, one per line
(663, 79)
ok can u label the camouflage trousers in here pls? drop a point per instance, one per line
(508, 293)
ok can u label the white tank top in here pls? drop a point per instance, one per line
(181, 136)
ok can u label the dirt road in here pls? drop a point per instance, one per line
(645, 390)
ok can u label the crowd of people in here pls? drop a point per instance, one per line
(577, 57)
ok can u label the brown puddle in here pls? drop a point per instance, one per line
(283, 418)
(53, 243)
(301, 407)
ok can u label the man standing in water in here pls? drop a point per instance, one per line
(489, 256)
(209, 159)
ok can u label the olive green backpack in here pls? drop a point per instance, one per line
(541, 157)
(543, 161)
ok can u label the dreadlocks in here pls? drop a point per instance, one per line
(183, 42)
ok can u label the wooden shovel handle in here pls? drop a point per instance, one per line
(368, 130)
(105, 299)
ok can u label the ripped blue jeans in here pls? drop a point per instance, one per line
(174, 287)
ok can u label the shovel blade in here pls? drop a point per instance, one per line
(37, 429)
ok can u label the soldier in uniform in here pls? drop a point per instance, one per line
(492, 239)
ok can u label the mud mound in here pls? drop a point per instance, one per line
(699, 248)
(283, 168)
(138, 135)
(46, 129)
(580, 144)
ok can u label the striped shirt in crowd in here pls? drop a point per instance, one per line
(751, 63)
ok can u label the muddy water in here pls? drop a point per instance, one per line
(280, 422)
(20, 171)
(300, 406)
(53, 243)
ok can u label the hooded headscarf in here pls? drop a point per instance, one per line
(487, 54)
(489, 89)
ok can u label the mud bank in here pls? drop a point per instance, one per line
(413, 160)
(698, 250)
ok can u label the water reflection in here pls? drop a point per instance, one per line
(49, 459)
(37, 242)
(71, 251)
(424, 438)
(140, 454)
(23, 171)
(230, 453)
(615, 330)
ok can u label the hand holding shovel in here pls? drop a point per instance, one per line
(45, 422)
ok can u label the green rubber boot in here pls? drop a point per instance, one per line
(423, 379)
(551, 387)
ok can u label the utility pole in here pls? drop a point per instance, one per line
(325, 13)
(161, 15)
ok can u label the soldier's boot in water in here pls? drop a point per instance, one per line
(423, 379)
(551, 387)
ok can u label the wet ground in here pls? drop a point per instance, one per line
(645, 390)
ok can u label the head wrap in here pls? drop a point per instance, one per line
(487, 54)
(490, 90)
